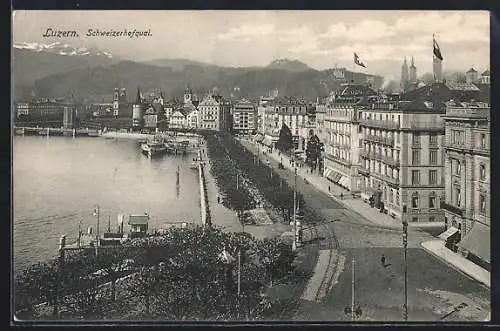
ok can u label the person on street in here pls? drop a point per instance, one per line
(329, 188)
(382, 260)
(341, 196)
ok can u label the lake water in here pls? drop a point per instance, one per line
(57, 182)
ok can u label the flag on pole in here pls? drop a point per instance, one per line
(357, 61)
(436, 49)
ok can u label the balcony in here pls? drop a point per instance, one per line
(461, 112)
(389, 160)
(389, 125)
(425, 126)
(389, 141)
(363, 170)
(452, 209)
(365, 153)
(338, 159)
(340, 145)
(388, 179)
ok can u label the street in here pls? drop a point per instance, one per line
(434, 288)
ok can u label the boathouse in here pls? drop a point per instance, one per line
(138, 224)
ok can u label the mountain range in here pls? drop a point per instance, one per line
(60, 69)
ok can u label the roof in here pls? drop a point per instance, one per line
(349, 90)
(486, 73)
(461, 86)
(181, 111)
(471, 70)
(417, 105)
(138, 219)
(244, 103)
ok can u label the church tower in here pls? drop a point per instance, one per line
(188, 94)
(413, 72)
(404, 75)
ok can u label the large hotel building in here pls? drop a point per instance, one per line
(467, 177)
(389, 151)
(402, 158)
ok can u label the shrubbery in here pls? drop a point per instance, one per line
(178, 275)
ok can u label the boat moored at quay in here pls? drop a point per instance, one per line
(154, 146)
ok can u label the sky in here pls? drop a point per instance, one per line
(321, 39)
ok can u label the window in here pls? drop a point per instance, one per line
(414, 200)
(416, 139)
(414, 219)
(415, 177)
(433, 157)
(482, 203)
(483, 140)
(457, 167)
(432, 200)
(482, 171)
(457, 196)
(432, 177)
(433, 139)
(415, 156)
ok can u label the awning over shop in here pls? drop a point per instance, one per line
(258, 137)
(477, 241)
(448, 233)
(333, 176)
(344, 181)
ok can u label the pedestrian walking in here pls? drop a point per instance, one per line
(329, 188)
(341, 196)
(382, 260)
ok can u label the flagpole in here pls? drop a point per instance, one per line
(353, 64)
(97, 230)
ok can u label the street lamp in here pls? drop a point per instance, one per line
(294, 245)
(405, 248)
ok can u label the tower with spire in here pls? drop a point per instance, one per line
(413, 72)
(138, 111)
(188, 94)
(404, 75)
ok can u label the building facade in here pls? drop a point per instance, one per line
(467, 175)
(342, 143)
(179, 119)
(290, 111)
(193, 119)
(244, 117)
(214, 112)
(485, 78)
(402, 159)
(119, 101)
(264, 102)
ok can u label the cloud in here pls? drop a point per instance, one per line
(303, 39)
(247, 32)
(365, 30)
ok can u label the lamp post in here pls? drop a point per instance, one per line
(294, 245)
(96, 213)
(405, 248)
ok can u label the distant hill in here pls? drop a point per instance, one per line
(51, 70)
(33, 61)
(128, 74)
(289, 65)
(177, 64)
